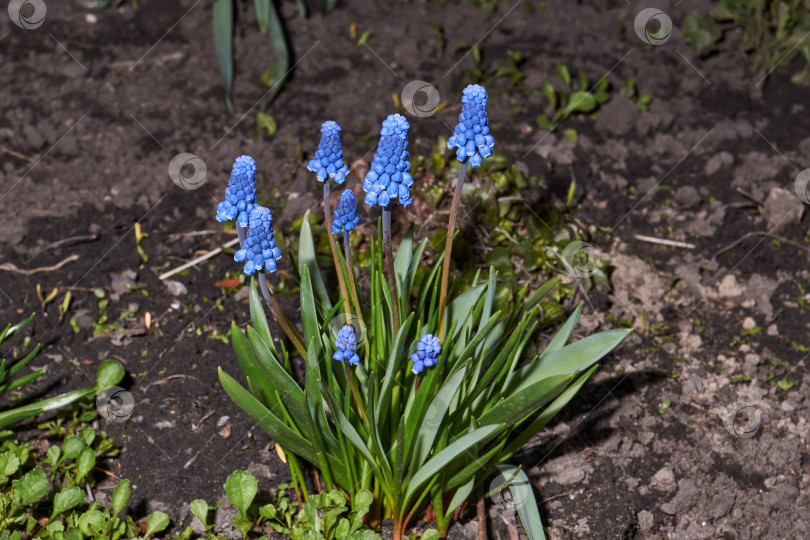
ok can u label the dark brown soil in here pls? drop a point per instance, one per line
(97, 103)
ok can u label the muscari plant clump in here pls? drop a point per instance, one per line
(423, 394)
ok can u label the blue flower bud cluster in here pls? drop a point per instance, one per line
(471, 135)
(346, 343)
(328, 160)
(388, 177)
(345, 213)
(260, 250)
(427, 353)
(240, 195)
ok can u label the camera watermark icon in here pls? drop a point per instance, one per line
(28, 14)
(188, 171)
(115, 404)
(653, 26)
(802, 186)
(579, 259)
(425, 94)
(435, 414)
(502, 495)
(741, 419)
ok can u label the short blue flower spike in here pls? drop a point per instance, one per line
(346, 343)
(260, 250)
(240, 195)
(471, 136)
(345, 213)
(388, 177)
(328, 162)
(427, 353)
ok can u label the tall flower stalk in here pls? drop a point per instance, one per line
(328, 164)
(386, 180)
(345, 221)
(473, 142)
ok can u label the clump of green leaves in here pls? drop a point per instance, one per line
(774, 33)
(44, 496)
(324, 516)
(109, 373)
(575, 95)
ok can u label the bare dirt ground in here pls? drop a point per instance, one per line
(96, 103)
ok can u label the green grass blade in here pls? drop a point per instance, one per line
(23, 362)
(222, 19)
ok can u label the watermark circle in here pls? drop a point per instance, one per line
(502, 496)
(802, 186)
(342, 319)
(20, 12)
(581, 259)
(435, 414)
(741, 419)
(413, 92)
(188, 171)
(115, 404)
(653, 26)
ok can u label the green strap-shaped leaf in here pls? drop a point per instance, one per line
(435, 413)
(562, 335)
(402, 262)
(282, 52)
(525, 503)
(266, 420)
(446, 456)
(289, 391)
(222, 19)
(392, 366)
(258, 317)
(19, 414)
(520, 404)
(306, 257)
(546, 416)
(459, 497)
(262, 14)
(309, 315)
(348, 430)
(569, 360)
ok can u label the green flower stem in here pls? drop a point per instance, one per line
(448, 245)
(281, 318)
(240, 232)
(327, 214)
(350, 269)
(354, 393)
(388, 258)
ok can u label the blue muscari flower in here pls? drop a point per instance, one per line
(471, 136)
(345, 213)
(388, 177)
(427, 353)
(328, 160)
(240, 195)
(260, 250)
(345, 344)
